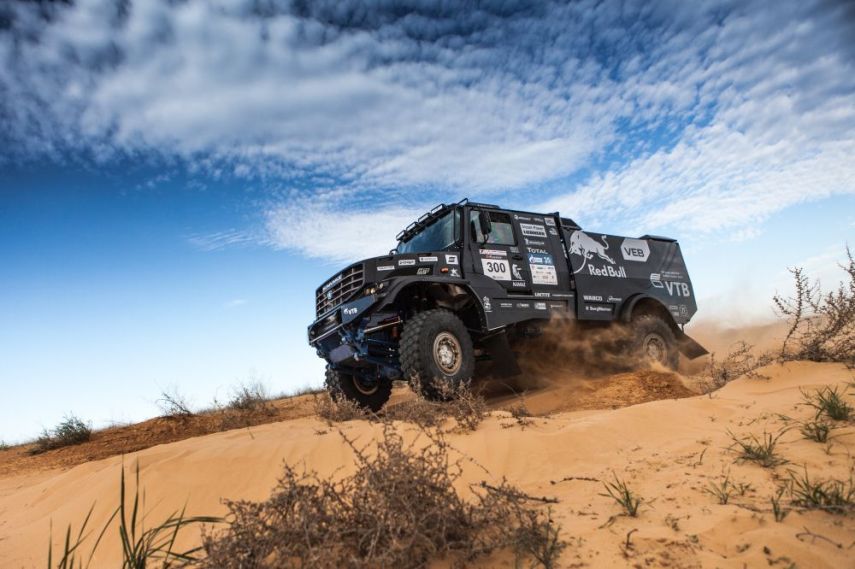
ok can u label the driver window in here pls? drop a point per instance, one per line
(502, 232)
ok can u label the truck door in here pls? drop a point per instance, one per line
(543, 254)
(498, 253)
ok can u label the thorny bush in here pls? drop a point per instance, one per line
(821, 324)
(398, 509)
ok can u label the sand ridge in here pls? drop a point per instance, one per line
(668, 451)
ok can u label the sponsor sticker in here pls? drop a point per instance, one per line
(540, 259)
(488, 307)
(493, 252)
(430, 259)
(673, 288)
(496, 269)
(544, 275)
(538, 251)
(635, 250)
(540, 306)
(350, 311)
(423, 271)
(589, 308)
(506, 305)
(454, 273)
(607, 271)
(549, 221)
(614, 299)
(592, 298)
(331, 283)
(518, 284)
(542, 294)
(534, 242)
(533, 230)
(386, 268)
(523, 305)
(521, 217)
(557, 306)
(515, 271)
(553, 231)
(406, 262)
(451, 259)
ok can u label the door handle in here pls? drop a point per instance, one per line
(517, 257)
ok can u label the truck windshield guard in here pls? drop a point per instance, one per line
(441, 234)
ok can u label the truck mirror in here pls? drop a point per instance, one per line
(485, 223)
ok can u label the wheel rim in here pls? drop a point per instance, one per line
(655, 347)
(447, 353)
(365, 388)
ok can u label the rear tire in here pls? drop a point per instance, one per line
(436, 354)
(348, 386)
(653, 339)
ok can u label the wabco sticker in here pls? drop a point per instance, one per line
(406, 262)
(497, 269)
(544, 275)
(533, 230)
(386, 268)
(431, 259)
(451, 259)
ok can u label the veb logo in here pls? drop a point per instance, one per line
(635, 250)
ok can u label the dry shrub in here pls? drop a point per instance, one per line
(173, 404)
(740, 361)
(399, 509)
(71, 431)
(821, 324)
(462, 404)
(338, 410)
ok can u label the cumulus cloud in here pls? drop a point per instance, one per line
(640, 116)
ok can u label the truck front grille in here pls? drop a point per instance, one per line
(340, 289)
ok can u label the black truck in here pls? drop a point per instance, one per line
(467, 280)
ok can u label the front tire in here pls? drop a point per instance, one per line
(345, 386)
(654, 340)
(436, 354)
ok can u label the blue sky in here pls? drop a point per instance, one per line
(177, 177)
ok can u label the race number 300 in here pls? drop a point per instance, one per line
(496, 269)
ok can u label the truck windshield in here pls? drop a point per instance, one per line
(439, 235)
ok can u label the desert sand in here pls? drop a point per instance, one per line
(668, 451)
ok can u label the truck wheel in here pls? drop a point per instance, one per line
(370, 396)
(436, 354)
(654, 340)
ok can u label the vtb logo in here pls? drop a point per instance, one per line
(674, 288)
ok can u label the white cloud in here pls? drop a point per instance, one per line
(222, 239)
(684, 116)
(235, 302)
(336, 233)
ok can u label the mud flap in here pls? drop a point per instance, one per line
(504, 360)
(689, 347)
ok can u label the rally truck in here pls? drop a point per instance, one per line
(468, 280)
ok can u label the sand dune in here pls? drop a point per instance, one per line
(668, 451)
